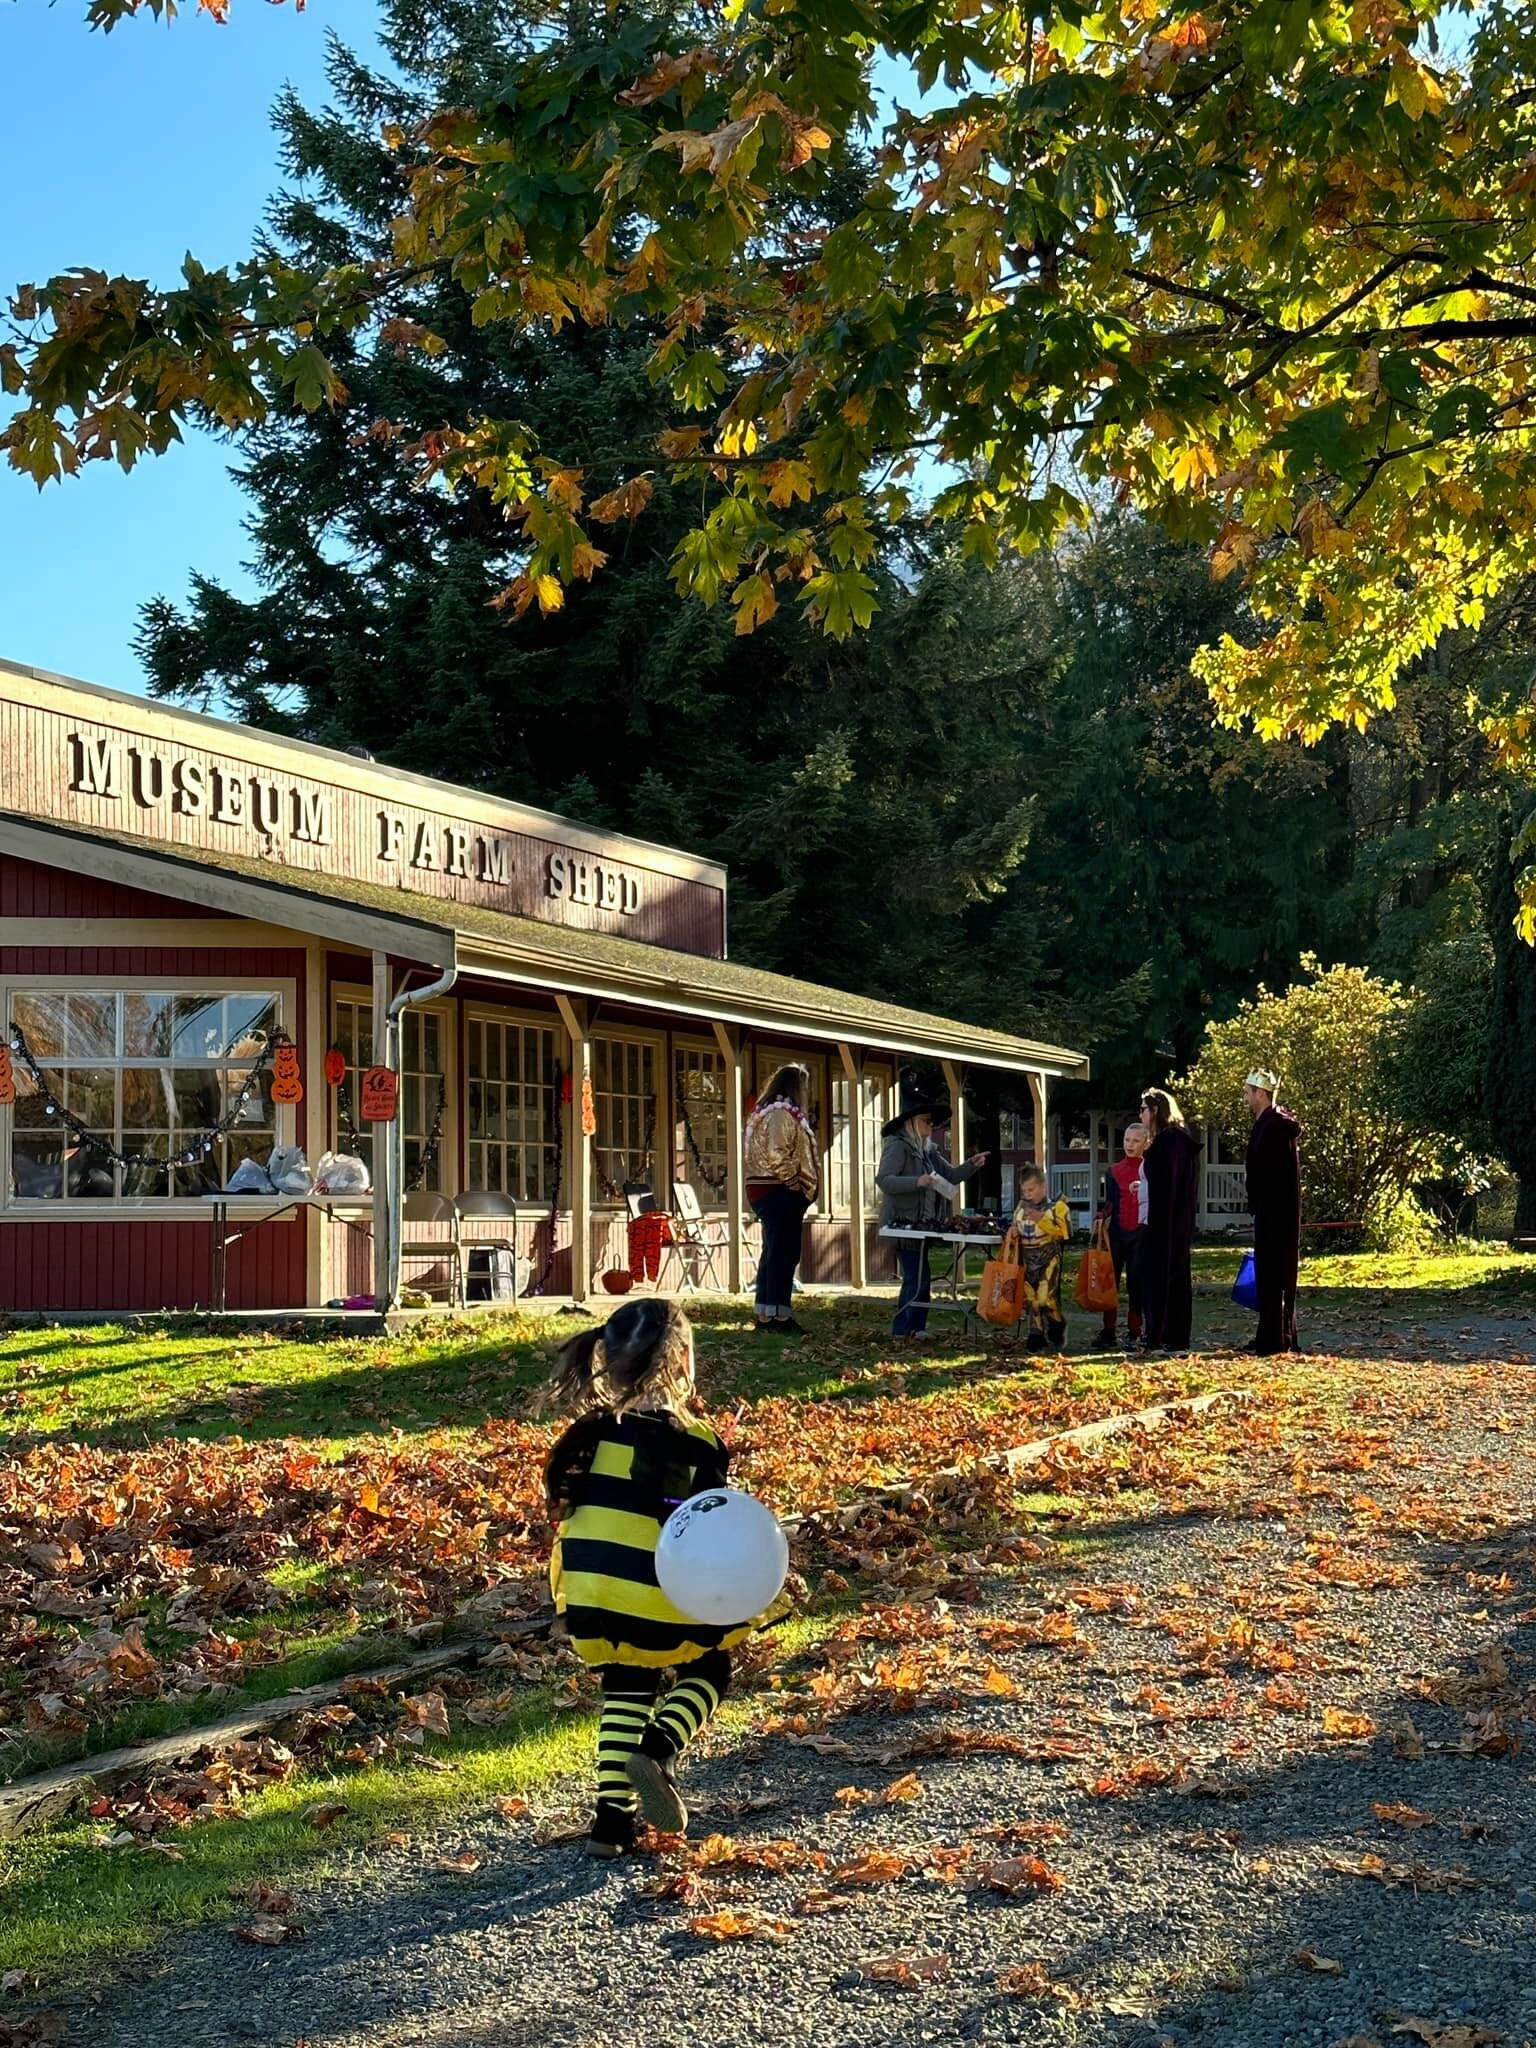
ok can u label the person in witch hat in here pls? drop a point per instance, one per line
(911, 1166)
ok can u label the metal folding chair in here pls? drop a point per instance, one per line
(448, 1251)
(698, 1240)
(481, 1206)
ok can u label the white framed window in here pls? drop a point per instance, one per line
(424, 1039)
(874, 1091)
(625, 1072)
(153, 1068)
(699, 1083)
(513, 1107)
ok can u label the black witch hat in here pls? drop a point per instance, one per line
(913, 1099)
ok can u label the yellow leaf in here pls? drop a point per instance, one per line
(787, 481)
(547, 590)
(625, 501)
(586, 559)
(755, 603)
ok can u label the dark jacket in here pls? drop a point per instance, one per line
(902, 1164)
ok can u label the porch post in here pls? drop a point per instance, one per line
(958, 1147)
(853, 1067)
(576, 1019)
(1037, 1088)
(383, 1151)
(1093, 1165)
(729, 1042)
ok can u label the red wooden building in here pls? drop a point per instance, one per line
(175, 891)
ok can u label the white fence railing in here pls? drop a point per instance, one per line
(1223, 1194)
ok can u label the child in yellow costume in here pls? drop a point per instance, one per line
(1044, 1227)
(611, 1481)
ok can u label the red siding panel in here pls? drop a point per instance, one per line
(28, 889)
(136, 1262)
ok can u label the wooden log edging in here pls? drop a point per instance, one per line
(1020, 1457)
(30, 1803)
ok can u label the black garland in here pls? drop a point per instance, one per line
(434, 1138)
(647, 1157)
(347, 1134)
(717, 1187)
(130, 1162)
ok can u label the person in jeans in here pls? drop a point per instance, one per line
(911, 1162)
(781, 1176)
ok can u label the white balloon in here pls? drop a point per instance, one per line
(722, 1557)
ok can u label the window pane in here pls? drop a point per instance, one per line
(91, 1094)
(148, 1102)
(147, 1176)
(37, 1165)
(43, 1020)
(147, 1024)
(249, 1021)
(198, 1027)
(92, 1027)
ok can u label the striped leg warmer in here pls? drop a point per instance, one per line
(690, 1703)
(628, 1697)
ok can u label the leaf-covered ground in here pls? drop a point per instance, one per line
(1245, 1595)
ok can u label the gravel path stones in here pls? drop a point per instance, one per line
(1268, 1721)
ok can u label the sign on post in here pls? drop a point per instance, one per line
(379, 1097)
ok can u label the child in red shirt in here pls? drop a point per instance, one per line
(1124, 1207)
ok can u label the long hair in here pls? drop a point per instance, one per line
(1165, 1110)
(641, 1357)
(791, 1083)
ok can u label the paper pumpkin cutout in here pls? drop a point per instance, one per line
(588, 1109)
(379, 1096)
(287, 1082)
(7, 1076)
(335, 1067)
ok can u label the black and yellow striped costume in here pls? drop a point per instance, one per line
(618, 1478)
(613, 1480)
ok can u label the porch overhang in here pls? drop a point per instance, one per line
(492, 945)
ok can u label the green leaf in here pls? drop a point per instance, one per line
(314, 382)
(839, 600)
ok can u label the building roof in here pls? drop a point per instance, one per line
(491, 943)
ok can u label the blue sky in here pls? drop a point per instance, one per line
(130, 149)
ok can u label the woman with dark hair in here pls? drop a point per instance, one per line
(782, 1177)
(1171, 1167)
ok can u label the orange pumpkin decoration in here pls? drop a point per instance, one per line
(287, 1083)
(618, 1280)
(7, 1077)
(335, 1067)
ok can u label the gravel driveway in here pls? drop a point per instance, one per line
(1195, 1774)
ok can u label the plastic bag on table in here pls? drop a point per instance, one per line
(341, 1173)
(250, 1177)
(288, 1170)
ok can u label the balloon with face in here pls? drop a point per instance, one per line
(722, 1557)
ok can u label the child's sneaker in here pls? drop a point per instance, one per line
(613, 1833)
(656, 1788)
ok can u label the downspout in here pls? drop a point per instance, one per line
(396, 1135)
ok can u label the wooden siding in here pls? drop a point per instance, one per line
(135, 1261)
(29, 889)
(253, 800)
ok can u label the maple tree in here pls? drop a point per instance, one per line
(1262, 268)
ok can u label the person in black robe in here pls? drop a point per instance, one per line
(1171, 1164)
(1274, 1202)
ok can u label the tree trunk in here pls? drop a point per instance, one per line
(1525, 1208)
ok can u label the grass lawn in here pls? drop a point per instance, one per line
(354, 1488)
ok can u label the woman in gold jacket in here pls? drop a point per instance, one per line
(782, 1178)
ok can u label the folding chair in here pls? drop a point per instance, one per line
(483, 1206)
(437, 1210)
(698, 1240)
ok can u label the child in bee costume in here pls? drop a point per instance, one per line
(612, 1480)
